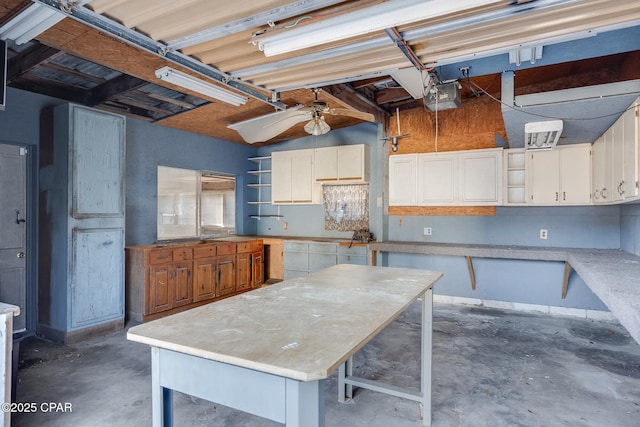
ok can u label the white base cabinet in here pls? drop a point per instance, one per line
(304, 257)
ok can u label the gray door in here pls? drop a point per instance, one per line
(13, 283)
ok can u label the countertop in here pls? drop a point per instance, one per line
(612, 274)
(302, 328)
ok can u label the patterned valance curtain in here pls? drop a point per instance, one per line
(346, 207)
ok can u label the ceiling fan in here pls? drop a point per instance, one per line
(263, 128)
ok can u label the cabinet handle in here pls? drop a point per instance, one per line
(595, 195)
(225, 262)
(564, 195)
(603, 193)
(620, 190)
(556, 196)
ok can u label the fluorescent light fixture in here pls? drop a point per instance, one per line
(195, 84)
(30, 23)
(385, 15)
(542, 135)
(413, 81)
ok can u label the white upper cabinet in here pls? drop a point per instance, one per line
(342, 163)
(616, 160)
(560, 176)
(403, 179)
(454, 178)
(601, 186)
(437, 179)
(292, 177)
(625, 156)
(575, 174)
(480, 177)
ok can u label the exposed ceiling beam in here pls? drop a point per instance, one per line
(169, 100)
(356, 100)
(392, 94)
(113, 87)
(368, 82)
(29, 59)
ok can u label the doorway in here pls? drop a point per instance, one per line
(13, 230)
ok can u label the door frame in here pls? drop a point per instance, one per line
(31, 236)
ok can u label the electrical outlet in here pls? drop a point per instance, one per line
(285, 225)
(427, 231)
(543, 233)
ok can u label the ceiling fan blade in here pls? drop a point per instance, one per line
(351, 113)
(263, 128)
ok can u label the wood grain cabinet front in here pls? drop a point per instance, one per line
(205, 273)
(162, 280)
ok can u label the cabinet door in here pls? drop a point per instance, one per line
(326, 164)
(437, 179)
(226, 266)
(302, 176)
(575, 174)
(183, 284)
(243, 271)
(351, 162)
(292, 176)
(544, 177)
(599, 166)
(204, 279)
(280, 177)
(161, 289)
(627, 187)
(257, 269)
(480, 177)
(402, 180)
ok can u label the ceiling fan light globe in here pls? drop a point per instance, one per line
(317, 127)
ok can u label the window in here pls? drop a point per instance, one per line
(195, 203)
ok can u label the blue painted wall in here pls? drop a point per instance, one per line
(150, 145)
(630, 228)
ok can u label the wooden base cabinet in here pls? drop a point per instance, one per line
(162, 280)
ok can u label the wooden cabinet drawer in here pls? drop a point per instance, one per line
(243, 247)
(207, 251)
(160, 256)
(257, 245)
(226, 248)
(182, 254)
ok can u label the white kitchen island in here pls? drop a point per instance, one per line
(268, 352)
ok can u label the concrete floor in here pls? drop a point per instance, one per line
(491, 368)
